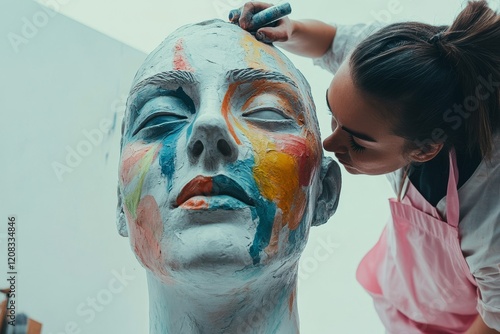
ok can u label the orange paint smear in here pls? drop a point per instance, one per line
(272, 247)
(225, 111)
(180, 62)
(295, 214)
(291, 301)
(131, 155)
(195, 204)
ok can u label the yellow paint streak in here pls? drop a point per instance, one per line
(276, 175)
(276, 178)
(252, 51)
(142, 167)
(253, 56)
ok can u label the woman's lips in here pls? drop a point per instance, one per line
(342, 160)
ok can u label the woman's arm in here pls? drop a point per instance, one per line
(479, 327)
(308, 38)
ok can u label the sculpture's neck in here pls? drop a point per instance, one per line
(264, 305)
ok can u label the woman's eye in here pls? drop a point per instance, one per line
(334, 123)
(355, 146)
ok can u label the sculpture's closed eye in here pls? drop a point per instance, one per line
(270, 114)
(270, 118)
(162, 115)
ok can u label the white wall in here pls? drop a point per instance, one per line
(67, 78)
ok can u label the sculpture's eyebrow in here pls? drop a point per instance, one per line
(179, 78)
(253, 74)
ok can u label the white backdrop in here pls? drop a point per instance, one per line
(63, 78)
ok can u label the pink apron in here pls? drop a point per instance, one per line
(416, 272)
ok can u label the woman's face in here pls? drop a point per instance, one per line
(362, 139)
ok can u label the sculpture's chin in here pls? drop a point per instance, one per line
(215, 248)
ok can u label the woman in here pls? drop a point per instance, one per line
(422, 104)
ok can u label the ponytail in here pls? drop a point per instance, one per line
(442, 79)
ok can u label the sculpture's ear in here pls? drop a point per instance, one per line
(329, 193)
(121, 223)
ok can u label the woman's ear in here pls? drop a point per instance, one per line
(329, 193)
(423, 154)
(121, 223)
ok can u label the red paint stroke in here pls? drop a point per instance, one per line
(150, 226)
(180, 62)
(303, 151)
(132, 154)
(145, 240)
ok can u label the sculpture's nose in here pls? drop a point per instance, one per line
(210, 143)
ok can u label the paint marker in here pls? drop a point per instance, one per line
(265, 17)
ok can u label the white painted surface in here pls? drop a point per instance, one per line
(68, 79)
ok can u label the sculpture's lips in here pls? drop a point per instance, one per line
(213, 186)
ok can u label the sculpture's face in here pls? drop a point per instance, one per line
(220, 154)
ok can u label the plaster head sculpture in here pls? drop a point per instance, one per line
(221, 176)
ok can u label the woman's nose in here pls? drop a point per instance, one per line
(335, 142)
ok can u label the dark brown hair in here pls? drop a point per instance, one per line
(440, 83)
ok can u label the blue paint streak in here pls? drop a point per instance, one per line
(162, 128)
(168, 156)
(225, 203)
(266, 214)
(189, 131)
(264, 211)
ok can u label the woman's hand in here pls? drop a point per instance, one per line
(279, 31)
(308, 38)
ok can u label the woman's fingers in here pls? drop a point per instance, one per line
(278, 32)
(248, 10)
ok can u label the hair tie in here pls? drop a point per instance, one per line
(436, 38)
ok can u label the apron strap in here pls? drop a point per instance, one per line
(452, 200)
